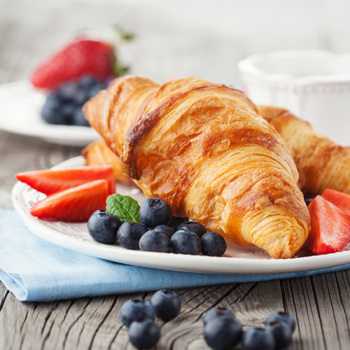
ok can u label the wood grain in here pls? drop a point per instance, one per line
(29, 30)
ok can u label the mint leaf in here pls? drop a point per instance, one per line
(124, 207)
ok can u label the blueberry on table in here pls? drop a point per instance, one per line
(136, 310)
(282, 316)
(222, 333)
(164, 229)
(281, 332)
(166, 303)
(185, 242)
(153, 241)
(154, 212)
(129, 234)
(193, 226)
(144, 334)
(103, 227)
(213, 244)
(256, 338)
(217, 312)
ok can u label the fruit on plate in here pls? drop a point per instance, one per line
(51, 181)
(63, 106)
(103, 227)
(78, 58)
(73, 204)
(330, 227)
(341, 200)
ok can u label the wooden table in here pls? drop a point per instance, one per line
(29, 30)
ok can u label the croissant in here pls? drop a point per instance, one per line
(98, 153)
(321, 162)
(203, 148)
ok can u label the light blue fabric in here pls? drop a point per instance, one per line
(35, 270)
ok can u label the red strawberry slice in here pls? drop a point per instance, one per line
(74, 204)
(330, 227)
(52, 181)
(78, 58)
(341, 200)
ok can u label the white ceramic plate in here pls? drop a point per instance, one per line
(238, 260)
(20, 106)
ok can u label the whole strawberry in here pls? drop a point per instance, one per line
(80, 57)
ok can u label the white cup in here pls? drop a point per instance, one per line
(312, 84)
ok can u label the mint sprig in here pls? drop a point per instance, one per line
(124, 207)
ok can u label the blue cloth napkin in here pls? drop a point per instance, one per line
(35, 270)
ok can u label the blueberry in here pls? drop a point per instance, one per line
(68, 90)
(256, 338)
(80, 97)
(213, 244)
(192, 226)
(79, 118)
(136, 310)
(176, 221)
(129, 234)
(281, 332)
(164, 229)
(103, 226)
(87, 81)
(154, 212)
(166, 303)
(51, 112)
(282, 316)
(308, 200)
(217, 312)
(185, 242)
(94, 90)
(153, 241)
(144, 334)
(222, 333)
(68, 110)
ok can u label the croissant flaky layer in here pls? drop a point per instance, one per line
(321, 162)
(204, 149)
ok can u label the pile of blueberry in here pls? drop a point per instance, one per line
(64, 105)
(139, 315)
(158, 231)
(222, 331)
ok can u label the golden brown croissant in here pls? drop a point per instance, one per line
(321, 162)
(204, 149)
(98, 153)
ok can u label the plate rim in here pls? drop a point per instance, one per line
(175, 262)
(62, 134)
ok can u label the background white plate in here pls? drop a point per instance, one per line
(239, 259)
(20, 106)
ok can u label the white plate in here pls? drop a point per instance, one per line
(20, 106)
(74, 236)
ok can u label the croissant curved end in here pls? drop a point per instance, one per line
(281, 235)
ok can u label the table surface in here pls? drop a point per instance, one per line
(28, 32)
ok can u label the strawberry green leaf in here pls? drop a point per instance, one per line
(124, 207)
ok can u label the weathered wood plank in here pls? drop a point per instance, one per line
(29, 31)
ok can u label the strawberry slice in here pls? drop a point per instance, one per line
(52, 181)
(330, 227)
(341, 200)
(73, 204)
